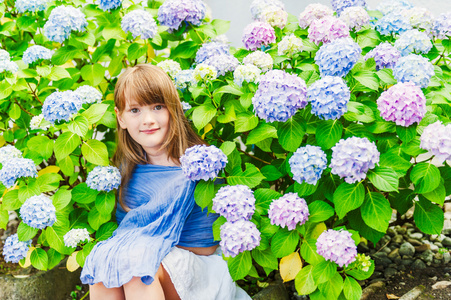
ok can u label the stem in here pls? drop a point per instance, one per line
(21, 107)
(87, 293)
(34, 92)
(203, 41)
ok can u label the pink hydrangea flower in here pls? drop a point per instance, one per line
(327, 29)
(258, 34)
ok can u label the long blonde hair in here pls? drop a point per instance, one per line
(148, 84)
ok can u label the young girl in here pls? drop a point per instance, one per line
(163, 247)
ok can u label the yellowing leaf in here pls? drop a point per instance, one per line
(2, 141)
(290, 266)
(49, 169)
(110, 96)
(27, 259)
(72, 264)
(150, 52)
(68, 64)
(207, 128)
(363, 240)
(4, 20)
(315, 233)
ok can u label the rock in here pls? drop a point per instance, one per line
(407, 249)
(375, 275)
(422, 248)
(381, 258)
(427, 256)
(414, 242)
(394, 254)
(446, 241)
(368, 292)
(406, 262)
(413, 293)
(397, 239)
(362, 248)
(433, 278)
(391, 231)
(389, 272)
(418, 264)
(274, 291)
(441, 285)
(447, 207)
(402, 230)
(416, 235)
(441, 237)
(446, 257)
(438, 244)
(386, 250)
(434, 247)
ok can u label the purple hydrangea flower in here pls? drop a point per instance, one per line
(329, 97)
(258, 34)
(259, 59)
(288, 211)
(403, 103)
(36, 52)
(140, 23)
(38, 212)
(337, 57)
(88, 94)
(337, 246)
(313, 12)
(8, 152)
(290, 45)
(413, 41)
(211, 49)
(279, 96)
(420, 18)
(307, 164)
(183, 79)
(414, 68)
(274, 16)
(14, 250)
(62, 21)
(235, 202)
(15, 168)
(353, 157)
(223, 63)
(61, 106)
(31, 5)
(385, 56)
(441, 27)
(104, 178)
(248, 73)
(75, 236)
(340, 5)
(355, 17)
(327, 29)
(202, 162)
(239, 236)
(393, 23)
(389, 6)
(258, 6)
(170, 66)
(436, 139)
(173, 12)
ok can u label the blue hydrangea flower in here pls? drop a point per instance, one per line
(258, 6)
(202, 162)
(63, 20)
(36, 52)
(441, 27)
(38, 212)
(208, 50)
(107, 5)
(31, 5)
(385, 56)
(329, 97)
(393, 23)
(75, 236)
(415, 68)
(239, 236)
(223, 63)
(4, 56)
(170, 66)
(353, 157)
(413, 41)
(104, 178)
(61, 106)
(337, 57)
(6, 65)
(436, 138)
(88, 94)
(14, 250)
(337, 246)
(186, 106)
(279, 96)
(259, 59)
(389, 6)
(173, 12)
(140, 23)
(288, 211)
(234, 202)
(340, 5)
(307, 164)
(248, 73)
(15, 168)
(7, 152)
(183, 79)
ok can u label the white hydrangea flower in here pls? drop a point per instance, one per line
(75, 236)
(170, 66)
(290, 45)
(38, 122)
(248, 73)
(204, 72)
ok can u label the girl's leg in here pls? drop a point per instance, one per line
(99, 292)
(160, 289)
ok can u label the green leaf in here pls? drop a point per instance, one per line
(63, 54)
(240, 265)
(271, 172)
(116, 65)
(402, 201)
(305, 189)
(186, 49)
(61, 198)
(356, 271)
(368, 79)
(406, 134)
(260, 133)
(428, 217)
(352, 289)
(251, 177)
(105, 231)
(203, 114)
(229, 89)
(79, 126)
(81, 255)
(135, 51)
(58, 73)
(39, 259)
(425, 177)
(386, 76)
(41, 144)
(204, 193)
(394, 161)
(376, 211)
(384, 178)
(308, 252)
(348, 197)
(413, 147)
(87, 38)
(81, 193)
(96, 219)
(26, 232)
(26, 191)
(284, 242)
(54, 258)
(113, 32)
(227, 147)
(333, 287)
(54, 236)
(291, 133)
(49, 182)
(356, 222)
(4, 219)
(324, 271)
(95, 152)
(220, 26)
(65, 144)
(245, 121)
(438, 195)
(66, 165)
(328, 133)
(95, 112)
(93, 73)
(105, 202)
(264, 197)
(104, 49)
(10, 200)
(320, 211)
(304, 282)
(265, 258)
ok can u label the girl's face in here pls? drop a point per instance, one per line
(148, 125)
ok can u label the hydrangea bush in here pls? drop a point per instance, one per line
(318, 136)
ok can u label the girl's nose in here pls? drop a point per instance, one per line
(148, 118)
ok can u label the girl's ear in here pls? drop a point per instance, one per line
(119, 118)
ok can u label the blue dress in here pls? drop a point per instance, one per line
(163, 214)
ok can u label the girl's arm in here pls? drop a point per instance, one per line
(201, 250)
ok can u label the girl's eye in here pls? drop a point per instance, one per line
(158, 107)
(134, 110)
